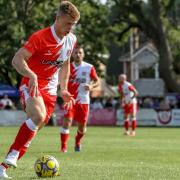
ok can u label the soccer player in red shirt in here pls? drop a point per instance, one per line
(43, 61)
(128, 94)
(83, 78)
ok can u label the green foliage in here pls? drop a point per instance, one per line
(152, 18)
(92, 31)
(99, 26)
(18, 19)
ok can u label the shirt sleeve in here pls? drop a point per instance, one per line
(131, 88)
(32, 45)
(75, 45)
(93, 74)
(120, 88)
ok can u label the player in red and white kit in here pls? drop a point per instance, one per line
(128, 94)
(43, 61)
(82, 79)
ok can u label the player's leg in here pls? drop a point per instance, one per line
(64, 134)
(126, 124)
(26, 133)
(36, 114)
(126, 119)
(4, 167)
(79, 135)
(134, 121)
(81, 116)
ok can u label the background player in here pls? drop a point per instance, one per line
(128, 95)
(82, 79)
(45, 53)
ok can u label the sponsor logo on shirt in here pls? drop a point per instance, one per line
(78, 80)
(56, 63)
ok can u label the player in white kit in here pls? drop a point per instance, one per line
(83, 78)
(128, 94)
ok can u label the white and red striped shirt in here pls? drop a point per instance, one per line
(79, 76)
(127, 90)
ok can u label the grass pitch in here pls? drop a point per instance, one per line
(154, 154)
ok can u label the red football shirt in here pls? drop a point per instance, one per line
(49, 52)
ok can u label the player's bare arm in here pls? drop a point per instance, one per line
(19, 62)
(122, 100)
(135, 93)
(94, 83)
(121, 96)
(63, 79)
(64, 75)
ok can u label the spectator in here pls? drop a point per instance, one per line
(148, 102)
(115, 102)
(109, 103)
(6, 103)
(156, 103)
(97, 104)
(164, 105)
(171, 100)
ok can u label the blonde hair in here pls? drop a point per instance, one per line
(67, 8)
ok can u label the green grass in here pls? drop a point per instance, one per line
(154, 154)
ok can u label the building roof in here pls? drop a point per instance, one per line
(147, 50)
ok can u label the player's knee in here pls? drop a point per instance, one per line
(67, 123)
(65, 126)
(39, 118)
(82, 130)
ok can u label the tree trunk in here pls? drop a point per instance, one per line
(165, 55)
(165, 64)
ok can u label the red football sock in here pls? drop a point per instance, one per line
(64, 140)
(78, 138)
(24, 136)
(22, 152)
(133, 124)
(126, 125)
(4, 165)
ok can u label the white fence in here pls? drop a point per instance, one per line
(145, 117)
(11, 118)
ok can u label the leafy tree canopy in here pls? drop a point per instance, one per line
(18, 19)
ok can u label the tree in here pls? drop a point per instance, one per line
(92, 31)
(154, 19)
(18, 19)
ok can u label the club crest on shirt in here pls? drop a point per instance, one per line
(68, 52)
(84, 73)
